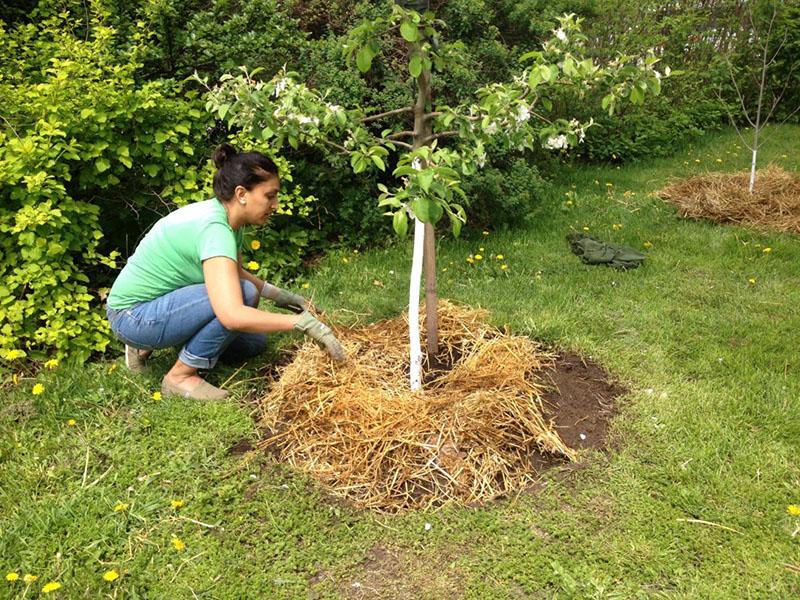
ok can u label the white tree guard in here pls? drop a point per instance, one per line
(415, 363)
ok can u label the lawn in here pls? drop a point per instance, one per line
(690, 501)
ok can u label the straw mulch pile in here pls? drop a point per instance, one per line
(723, 197)
(357, 428)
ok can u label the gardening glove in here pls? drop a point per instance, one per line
(322, 335)
(286, 299)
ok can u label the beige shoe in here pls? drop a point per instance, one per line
(199, 391)
(135, 360)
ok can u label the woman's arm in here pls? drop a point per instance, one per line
(225, 293)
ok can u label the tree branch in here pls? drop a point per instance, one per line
(439, 135)
(390, 113)
(399, 134)
(341, 149)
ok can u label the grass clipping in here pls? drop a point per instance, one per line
(723, 198)
(357, 428)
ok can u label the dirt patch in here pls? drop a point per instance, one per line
(394, 573)
(580, 400)
(725, 198)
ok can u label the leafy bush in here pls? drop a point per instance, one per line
(82, 144)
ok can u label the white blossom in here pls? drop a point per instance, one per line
(491, 129)
(560, 34)
(523, 114)
(416, 164)
(280, 85)
(556, 142)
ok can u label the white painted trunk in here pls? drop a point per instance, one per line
(753, 171)
(415, 367)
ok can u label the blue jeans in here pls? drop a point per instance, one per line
(185, 317)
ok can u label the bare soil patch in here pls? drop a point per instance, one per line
(724, 198)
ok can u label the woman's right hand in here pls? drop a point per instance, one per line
(322, 335)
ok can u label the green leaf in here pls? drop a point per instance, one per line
(637, 97)
(364, 58)
(409, 31)
(378, 162)
(456, 225)
(400, 222)
(151, 170)
(415, 66)
(223, 110)
(422, 207)
(101, 164)
(126, 161)
(425, 178)
(161, 137)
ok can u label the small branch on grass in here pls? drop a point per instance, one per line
(85, 468)
(197, 522)
(702, 522)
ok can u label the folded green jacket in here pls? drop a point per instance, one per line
(593, 251)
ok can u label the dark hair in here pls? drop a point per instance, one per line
(247, 169)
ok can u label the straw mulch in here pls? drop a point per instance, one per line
(357, 428)
(723, 198)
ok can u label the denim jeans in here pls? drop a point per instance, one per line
(185, 317)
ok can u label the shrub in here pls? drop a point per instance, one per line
(82, 141)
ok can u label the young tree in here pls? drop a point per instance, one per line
(759, 100)
(446, 143)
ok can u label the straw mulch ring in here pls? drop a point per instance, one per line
(724, 198)
(469, 436)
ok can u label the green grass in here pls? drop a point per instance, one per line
(710, 431)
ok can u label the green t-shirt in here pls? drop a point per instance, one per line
(171, 255)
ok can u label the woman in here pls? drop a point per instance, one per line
(185, 285)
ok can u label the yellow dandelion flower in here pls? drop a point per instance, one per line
(569, 202)
(305, 286)
(156, 395)
(111, 575)
(15, 378)
(345, 260)
(499, 257)
(609, 184)
(503, 267)
(481, 248)
(719, 160)
(28, 578)
(470, 260)
(478, 257)
(121, 506)
(697, 160)
(12, 576)
(444, 269)
(752, 281)
(52, 363)
(648, 245)
(178, 545)
(767, 250)
(255, 244)
(37, 389)
(616, 226)
(72, 423)
(794, 510)
(112, 368)
(355, 251)
(485, 232)
(784, 156)
(51, 587)
(585, 228)
(252, 265)
(176, 503)
(596, 182)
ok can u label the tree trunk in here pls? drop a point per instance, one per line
(424, 251)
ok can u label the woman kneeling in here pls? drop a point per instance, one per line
(185, 285)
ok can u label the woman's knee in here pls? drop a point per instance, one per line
(250, 293)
